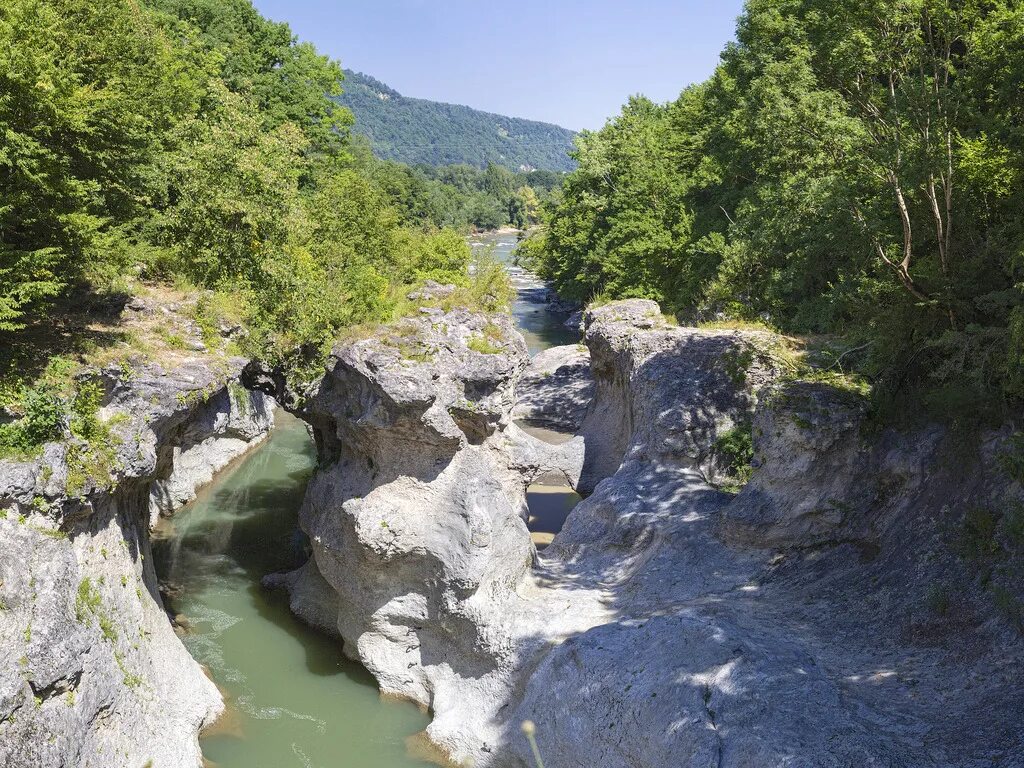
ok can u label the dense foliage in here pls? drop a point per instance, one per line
(417, 131)
(191, 140)
(853, 168)
(461, 196)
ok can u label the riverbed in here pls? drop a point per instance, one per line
(292, 698)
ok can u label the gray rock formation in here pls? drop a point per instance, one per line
(809, 444)
(91, 672)
(416, 516)
(225, 427)
(555, 389)
(668, 623)
(814, 644)
(559, 305)
(665, 393)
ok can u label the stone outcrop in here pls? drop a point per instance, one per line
(555, 389)
(665, 393)
(809, 640)
(91, 671)
(417, 514)
(668, 623)
(225, 427)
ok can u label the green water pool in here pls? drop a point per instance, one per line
(292, 698)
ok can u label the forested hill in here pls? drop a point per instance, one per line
(430, 132)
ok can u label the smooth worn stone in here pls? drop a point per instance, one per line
(555, 389)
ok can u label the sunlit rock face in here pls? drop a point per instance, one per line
(669, 623)
(91, 671)
(417, 515)
(225, 427)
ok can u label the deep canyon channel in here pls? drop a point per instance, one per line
(292, 697)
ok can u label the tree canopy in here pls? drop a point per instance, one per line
(850, 168)
(194, 140)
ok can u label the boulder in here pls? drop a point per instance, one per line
(416, 514)
(574, 321)
(809, 451)
(555, 389)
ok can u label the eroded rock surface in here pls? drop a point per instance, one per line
(225, 427)
(556, 388)
(669, 623)
(815, 639)
(91, 672)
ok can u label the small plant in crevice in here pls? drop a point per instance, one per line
(240, 399)
(938, 600)
(1010, 606)
(87, 600)
(130, 679)
(991, 539)
(1011, 458)
(88, 603)
(735, 363)
(978, 537)
(483, 346)
(735, 450)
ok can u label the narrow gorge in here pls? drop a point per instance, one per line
(345, 427)
(667, 620)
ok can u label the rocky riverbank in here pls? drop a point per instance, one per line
(668, 623)
(91, 671)
(859, 593)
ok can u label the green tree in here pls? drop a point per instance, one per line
(848, 167)
(88, 92)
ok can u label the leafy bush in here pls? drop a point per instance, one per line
(735, 448)
(43, 408)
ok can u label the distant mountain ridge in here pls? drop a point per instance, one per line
(434, 133)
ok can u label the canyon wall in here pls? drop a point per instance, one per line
(669, 622)
(91, 671)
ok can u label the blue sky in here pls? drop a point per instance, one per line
(569, 62)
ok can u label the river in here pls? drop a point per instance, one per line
(292, 698)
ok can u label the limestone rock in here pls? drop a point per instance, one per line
(668, 623)
(556, 388)
(809, 449)
(574, 321)
(665, 392)
(91, 672)
(227, 426)
(416, 515)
